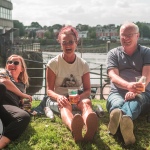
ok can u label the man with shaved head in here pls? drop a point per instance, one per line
(126, 100)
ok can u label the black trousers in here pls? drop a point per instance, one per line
(14, 119)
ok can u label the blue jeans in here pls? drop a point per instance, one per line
(132, 108)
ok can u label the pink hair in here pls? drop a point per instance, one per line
(68, 30)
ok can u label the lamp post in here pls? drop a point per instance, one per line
(108, 45)
(81, 46)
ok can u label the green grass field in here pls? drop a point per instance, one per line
(42, 134)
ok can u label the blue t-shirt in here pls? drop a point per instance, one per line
(129, 66)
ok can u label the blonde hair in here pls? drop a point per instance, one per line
(23, 76)
(68, 30)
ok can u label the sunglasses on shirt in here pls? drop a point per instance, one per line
(13, 62)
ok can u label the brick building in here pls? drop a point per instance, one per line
(107, 32)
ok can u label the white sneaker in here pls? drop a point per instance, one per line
(126, 128)
(115, 117)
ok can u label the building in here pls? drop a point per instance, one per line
(108, 32)
(6, 27)
(6, 23)
(40, 34)
(82, 34)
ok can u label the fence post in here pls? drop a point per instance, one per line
(101, 79)
(45, 80)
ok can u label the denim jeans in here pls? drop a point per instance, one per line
(132, 108)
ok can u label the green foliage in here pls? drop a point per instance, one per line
(42, 134)
(36, 25)
(19, 25)
(32, 34)
(51, 42)
(57, 26)
(144, 29)
(48, 35)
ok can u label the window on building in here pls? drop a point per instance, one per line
(5, 13)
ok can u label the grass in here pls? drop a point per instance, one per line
(42, 134)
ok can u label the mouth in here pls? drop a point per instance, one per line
(68, 49)
(127, 42)
(12, 69)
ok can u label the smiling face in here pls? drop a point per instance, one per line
(129, 35)
(68, 43)
(14, 66)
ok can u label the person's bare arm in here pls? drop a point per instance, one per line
(50, 82)
(86, 86)
(120, 82)
(12, 87)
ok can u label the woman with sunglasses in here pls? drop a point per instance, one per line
(68, 71)
(14, 119)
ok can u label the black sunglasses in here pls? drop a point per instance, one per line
(13, 62)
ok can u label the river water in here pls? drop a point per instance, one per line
(95, 60)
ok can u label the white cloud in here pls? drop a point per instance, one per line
(91, 12)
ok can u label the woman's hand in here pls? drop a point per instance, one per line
(62, 101)
(130, 95)
(27, 96)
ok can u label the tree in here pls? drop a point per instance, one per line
(144, 29)
(92, 33)
(36, 25)
(57, 26)
(81, 27)
(32, 34)
(48, 35)
(20, 27)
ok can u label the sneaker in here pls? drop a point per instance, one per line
(126, 128)
(76, 126)
(115, 117)
(91, 126)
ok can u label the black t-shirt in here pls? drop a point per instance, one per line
(10, 97)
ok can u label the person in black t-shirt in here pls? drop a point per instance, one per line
(14, 119)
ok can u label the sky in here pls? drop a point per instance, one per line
(85, 12)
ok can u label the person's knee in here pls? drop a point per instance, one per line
(114, 103)
(65, 108)
(25, 117)
(84, 103)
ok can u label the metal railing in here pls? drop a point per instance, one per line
(99, 73)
